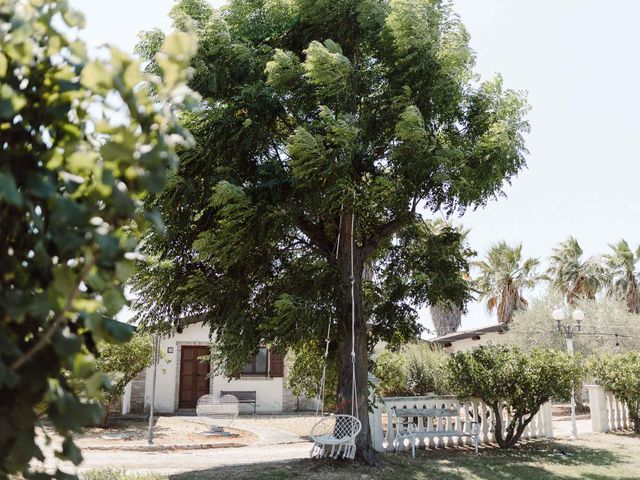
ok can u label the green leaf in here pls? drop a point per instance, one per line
(132, 75)
(113, 300)
(71, 451)
(73, 18)
(64, 280)
(11, 102)
(66, 344)
(3, 65)
(108, 329)
(180, 46)
(9, 191)
(83, 365)
(82, 161)
(96, 76)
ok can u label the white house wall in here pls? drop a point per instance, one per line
(465, 344)
(269, 391)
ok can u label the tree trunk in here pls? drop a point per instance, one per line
(634, 414)
(513, 431)
(359, 336)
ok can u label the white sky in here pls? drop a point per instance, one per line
(579, 60)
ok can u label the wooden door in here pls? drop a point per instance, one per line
(194, 376)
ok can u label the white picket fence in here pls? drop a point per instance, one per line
(608, 414)
(383, 432)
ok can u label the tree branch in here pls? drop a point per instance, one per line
(315, 234)
(383, 234)
(57, 321)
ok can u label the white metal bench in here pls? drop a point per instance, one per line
(446, 426)
(243, 396)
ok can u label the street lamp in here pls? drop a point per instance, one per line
(560, 314)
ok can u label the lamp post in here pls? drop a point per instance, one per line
(568, 331)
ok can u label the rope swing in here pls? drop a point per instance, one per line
(339, 431)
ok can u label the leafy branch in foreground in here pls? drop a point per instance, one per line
(82, 142)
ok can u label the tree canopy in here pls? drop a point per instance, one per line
(81, 143)
(327, 131)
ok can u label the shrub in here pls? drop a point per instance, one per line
(620, 373)
(506, 378)
(307, 360)
(415, 369)
(121, 363)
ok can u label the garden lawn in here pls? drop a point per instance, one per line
(594, 457)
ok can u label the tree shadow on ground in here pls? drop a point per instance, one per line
(532, 460)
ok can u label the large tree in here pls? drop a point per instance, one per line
(326, 127)
(81, 143)
(504, 275)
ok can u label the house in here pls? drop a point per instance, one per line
(181, 378)
(463, 340)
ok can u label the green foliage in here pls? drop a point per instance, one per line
(313, 111)
(505, 378)
(414, 369)
(307, 360)
(619, 373)
(74, 170)
(607, 326)
(122, 362)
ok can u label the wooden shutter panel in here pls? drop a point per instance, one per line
(277, 364)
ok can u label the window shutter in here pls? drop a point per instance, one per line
(277, 364)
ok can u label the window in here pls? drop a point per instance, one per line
(257, 366)
(265, 364)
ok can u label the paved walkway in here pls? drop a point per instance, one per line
(268, 435)
(172, 462)
(273, 445)
(562, 428)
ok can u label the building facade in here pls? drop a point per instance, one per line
(182, 378)
(464, 340)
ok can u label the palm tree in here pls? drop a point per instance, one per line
(574, 277)
(504, 277)
(623, 276)
(447, 316)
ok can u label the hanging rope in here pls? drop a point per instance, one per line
(339, 431)
(354, 392)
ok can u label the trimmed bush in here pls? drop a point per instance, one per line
(506, 378)
(620, 373)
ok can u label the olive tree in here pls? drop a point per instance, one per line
(607, 326)
(82, 141)
(507, 379)
(413, 369)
